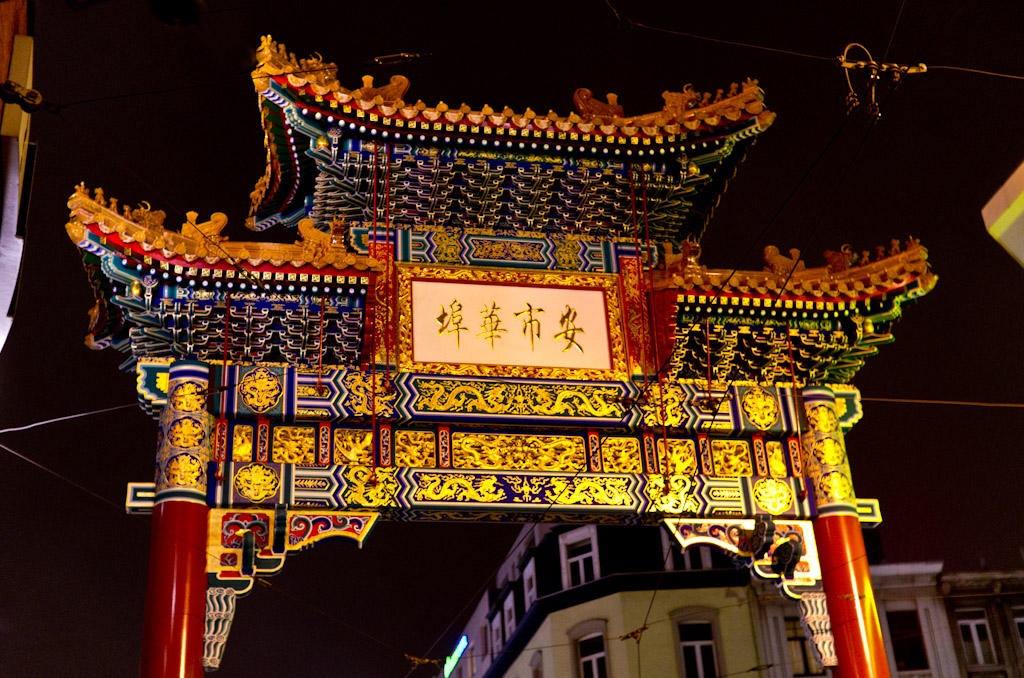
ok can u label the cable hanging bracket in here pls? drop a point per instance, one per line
(876, 72)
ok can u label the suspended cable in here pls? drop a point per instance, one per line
(892, 35)
(644, 392)
(64, 478)
(921, 401)
(54, 420)
(734, 43)
(963, 69)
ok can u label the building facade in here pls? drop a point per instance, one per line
(986, 613)
(570, 602)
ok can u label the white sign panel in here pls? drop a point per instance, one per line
(484, 323)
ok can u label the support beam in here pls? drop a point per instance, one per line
(172, 644)
(844, 566)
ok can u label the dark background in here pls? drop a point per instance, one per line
(73, 566)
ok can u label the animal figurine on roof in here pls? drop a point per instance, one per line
(208, 230)
(780, 265)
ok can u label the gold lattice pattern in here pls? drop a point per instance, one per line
(731, 458)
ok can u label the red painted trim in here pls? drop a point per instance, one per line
(135, 252)
(172, 635)
(444, 447)
(704, 454)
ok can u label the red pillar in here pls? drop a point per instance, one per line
(172, 634)
(850, 598)
(172, 643)
(844, 565)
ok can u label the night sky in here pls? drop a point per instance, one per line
(169, 115)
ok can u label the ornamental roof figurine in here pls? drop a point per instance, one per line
(463, 167)
(367, 180)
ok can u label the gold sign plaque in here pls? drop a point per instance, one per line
(510, 323)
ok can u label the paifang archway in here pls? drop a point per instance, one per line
(488, 316)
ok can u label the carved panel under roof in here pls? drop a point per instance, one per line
(351, 151)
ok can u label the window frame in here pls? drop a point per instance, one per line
(887, 612)
(697, 615)
(537, 664)
(485, 640)
(572, 538)
(497, 643)
(1018, 622)
(585, 630)
(508, 614)
(597, 660)
(810, 655)
(973, 624)
(529, 584)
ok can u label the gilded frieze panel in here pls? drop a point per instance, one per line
(450, 396)
(760, 407)
(518, 489)
(776, 459)
(367, 396)
(241, 444)
(772, 495)
(415, 449)
(665, 404)
(508, 250)
(257, 482)
(447, 247)
(353, 447)
(260, 389)
(294, 445)
(621, 455)
(368, 487)
(518, 452)
(681, 458)
(677, 495)
(731, 457)
(567, 254)
(458, 487)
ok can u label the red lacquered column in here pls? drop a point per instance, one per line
(844, 564)
(172, 643)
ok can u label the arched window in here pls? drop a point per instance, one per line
(590, 648)
(593, 658)
(537, 664)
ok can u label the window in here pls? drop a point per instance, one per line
(484, 646)
(537, 665)
(529, 584)
(974, 634)
(697, 558)
(593, 660)
(496, 634)
(587, 639)
(1018, 621)
(803, 661)
(579, 556)
(510, 615)
(907, 641)
(697, 642)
